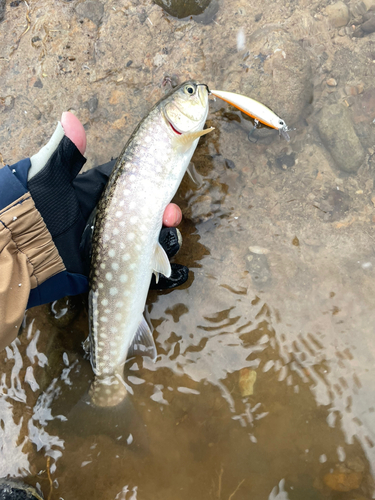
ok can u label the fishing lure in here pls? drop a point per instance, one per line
(258, 111)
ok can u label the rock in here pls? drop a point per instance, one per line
(331, 82)
(369, 25)
(339, 137)
(369, 3)
(335, 204)
(285, 161)
(257, 265)
(2, 10)
(91, 10)
(338, 14)
(38, 84)
(246, 382)
(343, 481)
(92, 104)
(186, 8)
(357, 9)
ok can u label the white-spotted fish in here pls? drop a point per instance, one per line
(125, 248)
(258, 111)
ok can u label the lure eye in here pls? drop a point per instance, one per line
(281, 122)
(189, 89)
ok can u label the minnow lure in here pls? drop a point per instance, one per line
(255, 109)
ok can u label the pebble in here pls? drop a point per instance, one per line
(331, 82)
(92, 104)
(91, 10)
(343, 481)
(246, 381)
(257, 265)
(259, 250)
(338, 14)
(339, 137)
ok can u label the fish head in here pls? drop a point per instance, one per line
(186, 108)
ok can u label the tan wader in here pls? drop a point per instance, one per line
(28, 257)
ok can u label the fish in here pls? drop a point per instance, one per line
(258, 111)
(125, 247)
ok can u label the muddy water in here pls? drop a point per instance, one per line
(263, 386)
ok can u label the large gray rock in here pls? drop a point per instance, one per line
(338, 14)
(338, 135)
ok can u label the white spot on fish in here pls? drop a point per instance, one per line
(109, 276)
(103, 319)
(122, 203)
(102, 266)
(113, 291)
(131, 236)
(126, 192)
(113, 330)
(132, 177)
(125, 257)
(115, 231)
(133, 219)
(119, 304)
(118, 317)
(114, 266)
(132, 205)
(105, 357)
(103, 336)
(112, 252)
(126, 293)
(100, 285)
(132, 266)
(123, 278)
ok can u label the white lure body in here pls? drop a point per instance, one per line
(255, 109)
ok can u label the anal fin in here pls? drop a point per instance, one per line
(143, 343)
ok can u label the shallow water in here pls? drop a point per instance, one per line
(263, 386)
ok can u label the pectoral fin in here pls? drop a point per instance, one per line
(161, 262)
(143, 342)
(183, 142)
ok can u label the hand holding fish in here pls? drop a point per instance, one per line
(44, 207)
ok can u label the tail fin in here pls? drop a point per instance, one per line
(107, 409)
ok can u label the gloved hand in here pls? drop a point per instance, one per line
(44, 208)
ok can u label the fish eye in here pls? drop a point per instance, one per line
(189, 89)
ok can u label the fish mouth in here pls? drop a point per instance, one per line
(203, 93)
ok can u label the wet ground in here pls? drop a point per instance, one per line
(264, 383)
